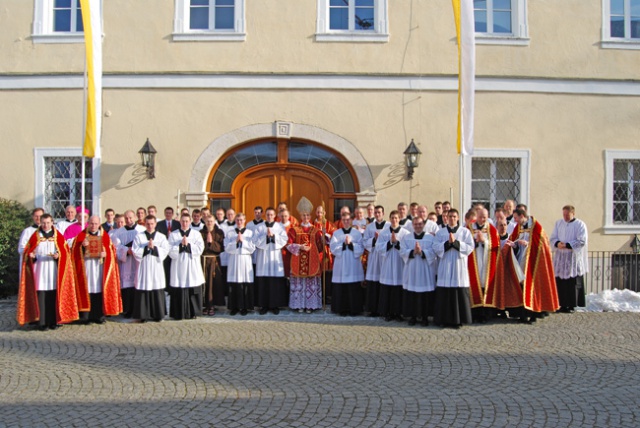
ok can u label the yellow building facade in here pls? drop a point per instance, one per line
(254, 102)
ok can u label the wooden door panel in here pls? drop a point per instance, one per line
(258, 190)
(311, 186)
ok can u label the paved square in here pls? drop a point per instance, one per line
(299, 370)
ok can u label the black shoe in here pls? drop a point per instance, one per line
(424, 322)
(233, 312)
(276, 311)
(244, 312)
(55, 326)
(43, 327)
(412, 321)
(263, 311)
(373, 314)
(100, 321)
(388, 318)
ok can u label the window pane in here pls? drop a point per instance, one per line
(214, 204)
(62, 4)
(339, 3)
(480, 169)
(635, 7)
(364, 3)
(620, 171)
(480, 4)
(502, 22)
(79, 23)
(481, 21)
(225, 2)
(339, 19)
(199, 2)
(62, 20)
(617, 7)
(364, 19)
(635, 28)
(620, 213)
(617, 26)
(480, 190)
(224, 18)
(199, 18)
(501, 4)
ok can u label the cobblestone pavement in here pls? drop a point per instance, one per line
(299, 370)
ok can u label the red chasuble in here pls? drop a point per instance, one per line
(491, 248)
(307, 263)
(328, 228)
(538, 292)
(67, 303)
(112, 300)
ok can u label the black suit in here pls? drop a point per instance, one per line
(162, 227)
(106, 227)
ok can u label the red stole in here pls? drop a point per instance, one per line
(307, 263)
(491, 248)
(328, 228)
(112, 300)
(67, 304)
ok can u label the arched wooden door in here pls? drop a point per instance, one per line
(268, 172)
(269, 185)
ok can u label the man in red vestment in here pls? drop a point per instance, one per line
(47, 294)
(482, 263)
(97, 272)
(524, 272)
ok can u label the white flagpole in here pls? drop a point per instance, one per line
(461, 178)
(84, 128)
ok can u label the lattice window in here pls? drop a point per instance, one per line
(63, 184)
(626, 191)
(494, 180)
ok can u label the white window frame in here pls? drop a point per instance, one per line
(609, 42)
(525, 170)
(519, 27)
(182, 32)
(39, 167)
(379, 34)
(609, 227)
(42, 27)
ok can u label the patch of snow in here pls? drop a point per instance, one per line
(612, 301)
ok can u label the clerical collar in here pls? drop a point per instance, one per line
(403, 221)
(240, 231)
(196, 225)
(130, 227)
(420, 236)
(305, 224)
(48, 234)
(478, 226)
(150, 235)
(572, 220)
(257, 221)
(371, 219)
(94, 233)
(454, 230)
(381, 224)
(509, 218)
(505, 236)
(35, 226)
(184, 233)
(267, 224)
(346, 231)
(231, 223)
(75, 220)
(396, 230)
(219, 221)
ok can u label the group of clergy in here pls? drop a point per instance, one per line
(414, 264)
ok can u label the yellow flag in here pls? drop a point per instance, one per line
(92, 24)
(465, 31)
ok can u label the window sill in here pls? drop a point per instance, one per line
(354, 37)
(621, 229)
(209, 37)
(620, 44)
(58, 38)
(506, 40)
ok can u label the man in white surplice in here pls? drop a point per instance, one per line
(123, 240)
(569, 242)
(453, 246)
(150, 248)
(269, 238)
(187, 276)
